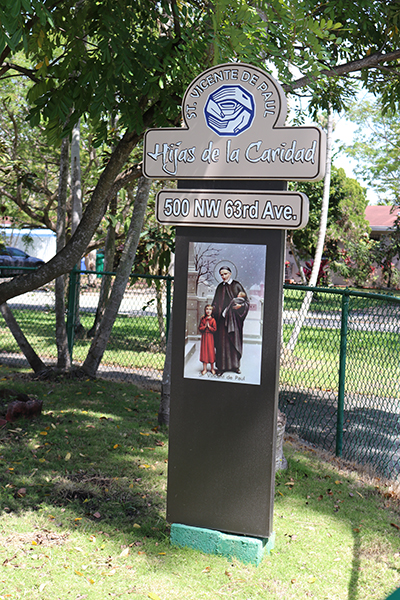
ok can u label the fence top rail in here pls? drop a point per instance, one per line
(342, 292)
(132, 275)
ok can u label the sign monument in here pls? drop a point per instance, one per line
(232, 158)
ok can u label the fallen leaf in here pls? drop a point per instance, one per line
(97, 515)
(115, 446)
(67, 456)
(43, 433)
(136, 525)
(125, 552)
(153, 596)
(21, 493)
(311, 579)
(395, 526)
(42, 586)
(78, 573)
(206, 570)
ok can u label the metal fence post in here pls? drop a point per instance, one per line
(71, 309)
(168, 307)
(342, 372)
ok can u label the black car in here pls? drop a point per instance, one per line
(14, 257)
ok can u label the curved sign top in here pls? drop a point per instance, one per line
(234, 128)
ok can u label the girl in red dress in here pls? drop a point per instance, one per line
(207, 327)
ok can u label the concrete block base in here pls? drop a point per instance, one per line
(243, 548)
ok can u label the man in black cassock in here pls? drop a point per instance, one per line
(230, 306)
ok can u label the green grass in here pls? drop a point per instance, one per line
(83, 491)
(315, 361)
(134, 341)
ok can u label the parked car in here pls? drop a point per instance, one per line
(14, 257)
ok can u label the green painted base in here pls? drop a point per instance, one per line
(243, 548)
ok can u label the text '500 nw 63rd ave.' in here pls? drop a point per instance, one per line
(285, 210)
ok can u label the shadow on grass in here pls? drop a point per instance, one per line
(94, 458)
(353, 517)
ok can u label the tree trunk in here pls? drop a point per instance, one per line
(107, 186)
(160, 313)
(33, 359)
(163, 412)
(106, 280)
(76, 214)
(63, 357)
(296, 260)
(101, 338)
(320, 243)
(76, 183)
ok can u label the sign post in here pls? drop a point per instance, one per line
(232, 159)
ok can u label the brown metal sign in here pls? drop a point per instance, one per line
(234, 128)
(227, 208)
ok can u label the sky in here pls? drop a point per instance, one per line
(343, 134)
(344, 131)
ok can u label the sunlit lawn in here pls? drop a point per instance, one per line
(83, 492)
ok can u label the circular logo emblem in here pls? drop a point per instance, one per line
(229, 110)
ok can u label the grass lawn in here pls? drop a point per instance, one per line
(83, 491)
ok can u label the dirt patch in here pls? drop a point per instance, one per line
(43, 538)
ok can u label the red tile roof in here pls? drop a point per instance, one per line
(381, 217)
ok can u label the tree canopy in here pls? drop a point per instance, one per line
(123, 65)
(346, 215)
(376, 148)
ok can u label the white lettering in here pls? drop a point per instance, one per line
(212, 207)
(232, 156)
(288, 213)
(171, 155)
(267, 212)
(310, 154)
(210, 154)
(198, 208)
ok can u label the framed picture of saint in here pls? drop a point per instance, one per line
(224, 312)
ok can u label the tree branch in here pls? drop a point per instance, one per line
(368, 62)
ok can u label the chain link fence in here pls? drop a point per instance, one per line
(340, 383)
(136, 348)
(339, 377)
